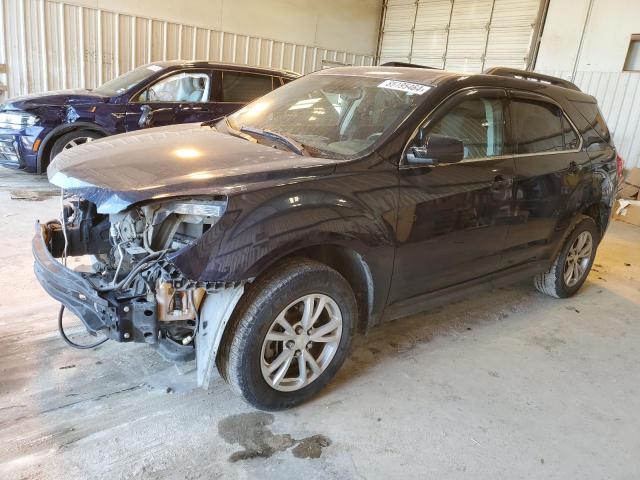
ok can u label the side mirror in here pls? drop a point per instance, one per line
(436, 150)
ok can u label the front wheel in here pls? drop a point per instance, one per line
(573, 263)
(289, 336)
(72, 139)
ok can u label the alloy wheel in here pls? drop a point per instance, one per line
(301, 342)
(76, 141)
(578, 258)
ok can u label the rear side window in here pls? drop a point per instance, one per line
(478, 123)
(540, 127)
(240, 87)
(592, 115)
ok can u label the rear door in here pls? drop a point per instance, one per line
(179, 97)
(552, 176)
(453, 218)
(240, 88)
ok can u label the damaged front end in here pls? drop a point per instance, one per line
(133, 292)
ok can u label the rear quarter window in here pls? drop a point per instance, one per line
(594, 118)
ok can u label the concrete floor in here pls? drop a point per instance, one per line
(511, 384)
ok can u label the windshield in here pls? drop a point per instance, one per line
(334, 115)
(127, 80)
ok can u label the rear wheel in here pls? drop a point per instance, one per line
(289, 336)
(573, 263)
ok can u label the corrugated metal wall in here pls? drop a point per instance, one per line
(50, 45)
(618, 95)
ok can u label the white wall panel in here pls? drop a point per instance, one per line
(50, 45)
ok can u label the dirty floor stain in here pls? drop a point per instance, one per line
(250, 431)
(311, 447)
(33, 195)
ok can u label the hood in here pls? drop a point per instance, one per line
(55, 98)
(119, 171)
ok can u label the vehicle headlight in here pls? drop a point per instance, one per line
(17, 119)
(210, 208)
(176, 223)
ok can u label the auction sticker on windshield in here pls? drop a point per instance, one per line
(413, 88)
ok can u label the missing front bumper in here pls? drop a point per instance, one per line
(121, 319)
(132, 319)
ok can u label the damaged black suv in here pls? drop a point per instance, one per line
(261, 242)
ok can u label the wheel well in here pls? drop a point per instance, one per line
(600, 214)
(48, 145)
(353, 268)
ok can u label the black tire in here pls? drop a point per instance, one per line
(240, 354)
(553, 282)
(60, 143)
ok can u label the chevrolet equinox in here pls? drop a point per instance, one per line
(261, 242)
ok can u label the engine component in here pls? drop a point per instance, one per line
(87, 231)
(174, 304)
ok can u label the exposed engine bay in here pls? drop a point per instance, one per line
(147, 298)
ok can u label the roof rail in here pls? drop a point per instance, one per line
(526, 75)
(405, 64)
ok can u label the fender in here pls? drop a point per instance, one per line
(600, 212)
(50, 137)
(260, 228)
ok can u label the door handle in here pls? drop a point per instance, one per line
(573, 167)
(146, 118)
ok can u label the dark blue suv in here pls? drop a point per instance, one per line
(35, 128)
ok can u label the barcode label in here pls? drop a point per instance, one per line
(413, 88)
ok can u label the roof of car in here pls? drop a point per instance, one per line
(230, 66)
(497, 77)
(407, 74)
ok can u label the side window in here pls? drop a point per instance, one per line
(181, 87)
(592, 114)
(570, 139)
(540, 127)
(478, 123)
(241, 87)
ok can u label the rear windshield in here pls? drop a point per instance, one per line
(592, 114)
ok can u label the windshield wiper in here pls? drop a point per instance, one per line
(212, 122)
(278, 137)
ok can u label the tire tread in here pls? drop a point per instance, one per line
(240, 329)
(551, 282)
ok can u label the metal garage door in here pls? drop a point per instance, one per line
(466, 35)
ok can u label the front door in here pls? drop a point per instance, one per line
(453, 218)
(180, 97)
(552, 177)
